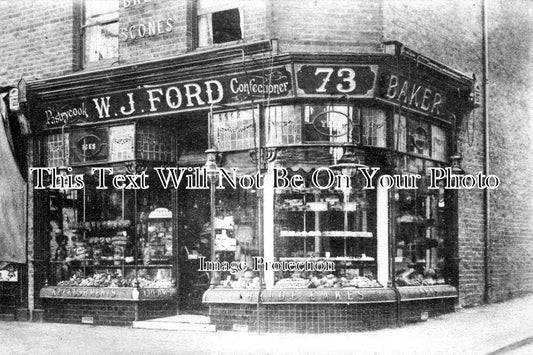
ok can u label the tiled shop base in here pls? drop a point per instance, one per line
(105, 312)
(324, 318)
(304, 318)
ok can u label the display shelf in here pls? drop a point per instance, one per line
(105, 266)
(329, 234)
(367, 259)
(334, 225)
(100, 225)
(320, 207)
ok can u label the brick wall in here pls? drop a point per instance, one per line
(450, 31)
(37, 39)
(40, 39)
(511, 146)
(171, 41)
(106, 312)
(327, 25)
(325, 318)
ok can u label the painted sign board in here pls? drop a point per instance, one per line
(349, 80)
(170, 98)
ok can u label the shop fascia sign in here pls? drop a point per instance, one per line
(170, 98)
(325, 80)
(309, 295)
(313, 80)
(299, 296)
(330, 81)
(413, 94)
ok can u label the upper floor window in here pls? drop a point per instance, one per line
(218, 22)
(100, 30)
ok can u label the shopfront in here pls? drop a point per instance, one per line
(316, 210)
(13, 194)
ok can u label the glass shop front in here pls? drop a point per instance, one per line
(348, 219)
(309, 208)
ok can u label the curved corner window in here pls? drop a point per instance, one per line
(325, 124)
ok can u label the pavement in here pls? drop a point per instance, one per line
(501, 328)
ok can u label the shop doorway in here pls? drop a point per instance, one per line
(193, 244)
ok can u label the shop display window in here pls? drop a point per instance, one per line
(100, 30)
(335, 228)
(236, 237)
(111, 238)
(421, 253)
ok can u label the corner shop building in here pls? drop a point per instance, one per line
(399, 112)
(305, 112)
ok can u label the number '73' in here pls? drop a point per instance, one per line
(347, 75)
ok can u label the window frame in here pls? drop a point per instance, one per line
(84, 62)
(208, 12)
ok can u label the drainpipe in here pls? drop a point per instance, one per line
(487, 240)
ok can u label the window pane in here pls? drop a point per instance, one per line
(284, 125)
(400, 133)
(226, 26)
(419, 135)
(335, 227)
(101, 42)
(101, 30)
(234, 130)
(327, 123)
(438, 143)
(236, 236)
(56, 149)
(421, 238)
(374, 129)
